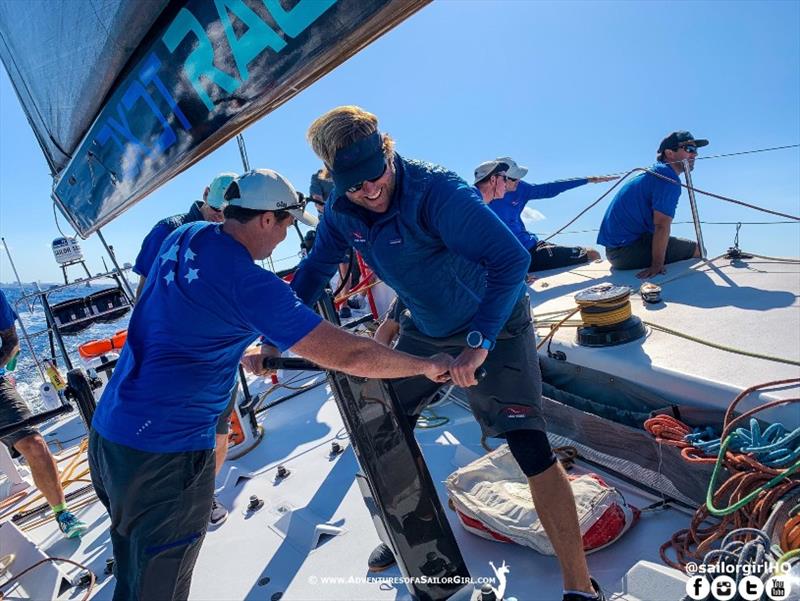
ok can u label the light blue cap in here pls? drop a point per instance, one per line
(216, 190)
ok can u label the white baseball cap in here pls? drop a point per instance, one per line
(514, 170)
(267, 190)
(483, 170)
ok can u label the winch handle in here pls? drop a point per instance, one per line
(298, 364)
(291, 363)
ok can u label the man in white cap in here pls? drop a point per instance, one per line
(490, 180)
(510, 206)
(153, 434)
(209, 209)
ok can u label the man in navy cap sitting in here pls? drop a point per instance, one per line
(636, 227)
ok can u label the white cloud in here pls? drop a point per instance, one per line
(531, 216)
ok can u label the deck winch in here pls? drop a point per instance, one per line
(607, 317)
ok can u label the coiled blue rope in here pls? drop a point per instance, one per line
(775, 447)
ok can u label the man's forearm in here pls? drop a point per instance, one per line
(659, 247)
(370, 359)
(333, 348)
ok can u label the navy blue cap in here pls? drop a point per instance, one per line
(361, 160)
(676, 138)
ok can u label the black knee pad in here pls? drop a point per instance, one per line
(532, 451)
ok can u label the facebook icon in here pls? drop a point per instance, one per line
(698, 587)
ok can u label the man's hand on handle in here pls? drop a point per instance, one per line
(253, 359)
(464, 367)
(439, 368)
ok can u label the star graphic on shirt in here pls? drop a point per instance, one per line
(191, 275)
(171, 254)
(170, 277)
(189, 255)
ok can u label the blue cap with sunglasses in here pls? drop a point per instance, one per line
(360, 161)
(677, 139)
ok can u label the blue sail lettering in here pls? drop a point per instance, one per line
(258, 36)
(149, 74)
(134, 93)
(200, 62)
(295, 21)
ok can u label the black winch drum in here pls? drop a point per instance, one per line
(613, 298)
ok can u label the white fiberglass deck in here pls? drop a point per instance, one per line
(751, 304)
(276, 542)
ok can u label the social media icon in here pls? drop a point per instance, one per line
(778, 588)
(698, 587)
(751, 588)
(723, 588)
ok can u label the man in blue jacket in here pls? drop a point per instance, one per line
(509, 209)
(460, 273)
(636, 227)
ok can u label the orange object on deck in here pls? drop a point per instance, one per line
(96, 348)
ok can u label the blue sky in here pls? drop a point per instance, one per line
(569, 89)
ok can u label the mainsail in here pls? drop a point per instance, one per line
(123, 95)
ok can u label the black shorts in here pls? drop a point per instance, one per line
(508, 398)
(159, 505)
(13, 409)
(546, 256)
(223, 425)
(639, 255)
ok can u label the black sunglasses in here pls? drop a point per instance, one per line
(357, 187)
(690, 148)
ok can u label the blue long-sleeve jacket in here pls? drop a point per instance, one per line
(509, 208)
(449, 258)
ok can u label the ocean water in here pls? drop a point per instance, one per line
(27, 376)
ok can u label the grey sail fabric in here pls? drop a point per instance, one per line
(123, 95)
(63, 57)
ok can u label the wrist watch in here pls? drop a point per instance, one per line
(477, 340)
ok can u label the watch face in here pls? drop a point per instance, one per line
(474, 339)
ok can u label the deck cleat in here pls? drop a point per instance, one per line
(254, 505)
(282, 473)
(336, 449)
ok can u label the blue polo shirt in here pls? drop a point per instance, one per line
(152, 242)
(509, 208)
(204, 302)
(630, 214)
(7, 317)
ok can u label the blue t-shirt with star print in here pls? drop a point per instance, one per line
(204, 302)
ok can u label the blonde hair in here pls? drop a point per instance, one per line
(341, 127)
